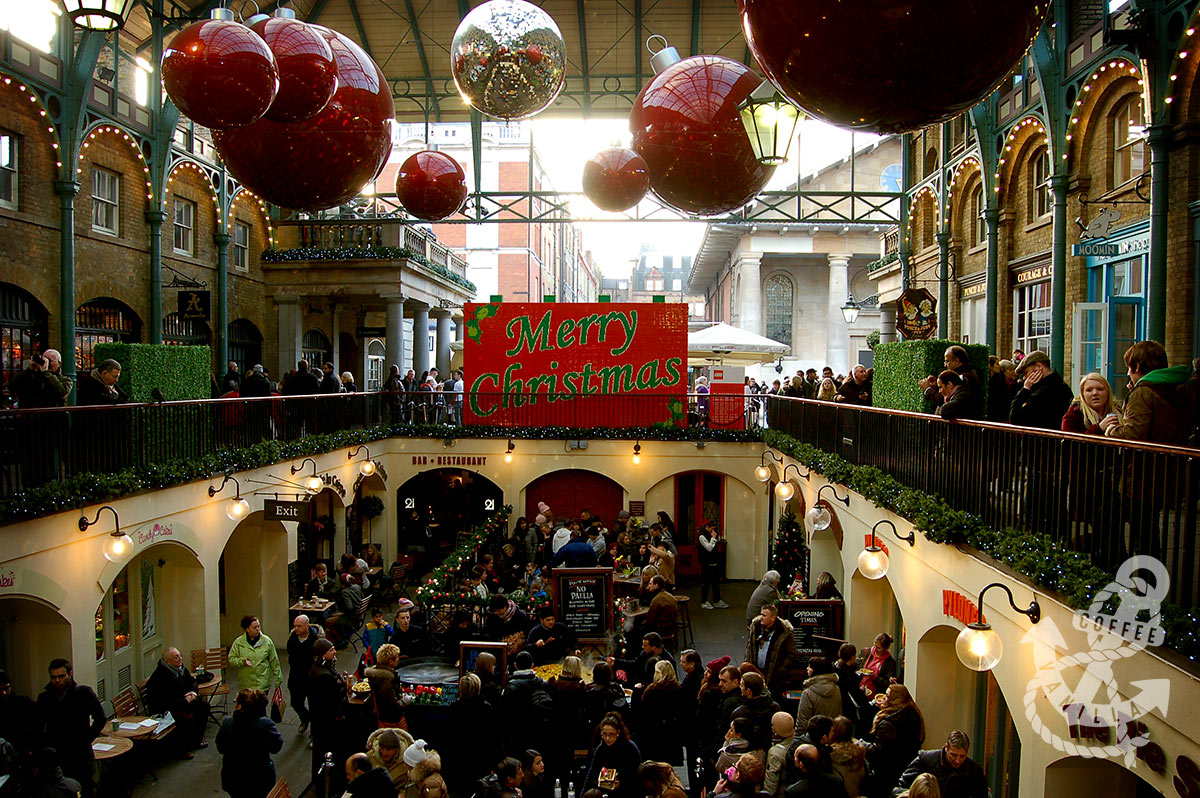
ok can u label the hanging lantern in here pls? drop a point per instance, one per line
(508, 59)
(891, 66)
(616, 179)
(323, 161)
(431, 185)
(220, 73)
(686, 126)
(307, 73)
(117, 546)
(770, 122)
(98, 14)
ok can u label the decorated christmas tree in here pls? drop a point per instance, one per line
(790, 554)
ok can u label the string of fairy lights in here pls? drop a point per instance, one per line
(107, 129)
(970, 162)
(1116, 66)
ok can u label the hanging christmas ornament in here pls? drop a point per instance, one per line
(220, 73)
(307, 74)
(508, 59)
(889, 66)
(685, 123)
(616, 179)
(326, 160)
(431, 185)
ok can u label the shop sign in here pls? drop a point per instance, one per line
(371, 332)
(157, 531)
(546, 355)
(817, 625)
(449, 460)
(277, 510)
(8, 580)
(1095, 249)
(637, 509)
(195, 305)
(957, 606)
(1130, 245)
(1033, 274)
(979, 289)
(916, 314)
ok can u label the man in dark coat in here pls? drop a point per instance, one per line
(505, 618)
(47, 779)
(411, 639)
(255, 384)
(364, 780)
(232, 381)
(71, 717)
(325, 697)
(758, 708)
(1043, 397)
(814, 782)
(957, 775)
(857, 389)
(549, 641)
(329, 382)
(42, 384)
(636, 669)
(960, 398)
(302, 383)
(954, 359)
(172, 688)
(99, 387)
(18, 720)
(300, 650)
(771, 647)
(528, 705)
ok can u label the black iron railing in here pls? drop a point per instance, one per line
(1107, 498)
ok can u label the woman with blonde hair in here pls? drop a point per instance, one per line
(827, 391)
(923, 786)
(896, 735)
(1094, 402)
(659, 715)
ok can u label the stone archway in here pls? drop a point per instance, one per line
(32, 633)
(432, 507)
(871, 608)
(254, 578)
(945, 689)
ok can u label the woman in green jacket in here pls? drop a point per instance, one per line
(255, 657)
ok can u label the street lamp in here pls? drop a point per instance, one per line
(236, 508)
(313, 482)
(98, 15)
(873, 561)
(367, 466)
(785, 490)
(978, 646)
(850, 310)
(770, 121)
(763, 471)
(117, 545)
(819, 517)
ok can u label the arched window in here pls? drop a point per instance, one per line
(315, 348)
(22, 329)
(103, 320)
(976, 221)
(1128, 141)
(376, 352)
(245, 344)
(779, 308)
(1039, 184)
(931, 161)
(185, 332)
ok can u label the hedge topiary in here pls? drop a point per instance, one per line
(180, 372)
(899, 365)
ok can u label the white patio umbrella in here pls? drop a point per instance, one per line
(727, 345)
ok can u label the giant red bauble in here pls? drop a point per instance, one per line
(220, 73)
(889, 66)
(616, 179)
(326, 160)
(307, 74)
(431, 185)
(685, 124)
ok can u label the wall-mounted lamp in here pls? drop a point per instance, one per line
(819, 517)
(763, 472)
(637, 452)
(313, 482)
(366, 467)
(785, 490)
(873, 561)
(978, 646)
(236, 508)
(509, 451)
(117, 545)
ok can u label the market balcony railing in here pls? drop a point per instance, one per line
(1104, 497)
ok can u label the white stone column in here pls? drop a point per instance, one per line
(887, 323)
(837, 340)
(290, 334)
(420, 347)
(395, 335)
(335, 340)
(442, 344)
(750, 301)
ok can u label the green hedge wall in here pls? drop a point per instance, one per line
(899, 365)
(180, 372)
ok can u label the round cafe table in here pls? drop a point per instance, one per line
(133, 734)
(120, 745)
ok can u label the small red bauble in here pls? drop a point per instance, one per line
(220, 73)
(685, 124)
(431, 185)
(889, 66)
(326, 160)
(616, 179)
(307, 74)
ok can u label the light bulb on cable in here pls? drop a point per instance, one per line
(784, 491)
(313, 484)
(366, 468)
(117, 546)
(762, 473)
(979, 647)
(237, 508)
(873, 562)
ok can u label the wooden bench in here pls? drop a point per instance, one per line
(280, 790)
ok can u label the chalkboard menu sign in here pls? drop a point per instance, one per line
(468, 652)
(583, 600)
(812, 620)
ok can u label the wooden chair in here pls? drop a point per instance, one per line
(280, 790)
(215, 660)
(364, 615)
(125, 703)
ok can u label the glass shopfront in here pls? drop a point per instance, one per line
(1114, 316)
(1031, 308)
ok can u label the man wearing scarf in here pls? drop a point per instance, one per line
(100, 386)
(172, 688)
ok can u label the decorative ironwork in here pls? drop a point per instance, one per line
(181, 280)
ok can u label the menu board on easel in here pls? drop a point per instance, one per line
(583, 601)
(815, 623)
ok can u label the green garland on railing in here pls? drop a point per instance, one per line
(83, 490)
(365, 253)
(1039, 557)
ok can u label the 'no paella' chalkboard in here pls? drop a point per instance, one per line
(583, 602)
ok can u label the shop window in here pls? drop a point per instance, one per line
(1031, 317)
(978, 223)
(120, 599)
(185, 222)
(1039, 184)
(931, 161)
(677, 284)
(8, 170)
(22, 329)
(178, 331)
(1128, 141)
(241, 246)
(316, 348)
(106, 205)
(99, 321)
(779, 292)
(100, 632)
(376, 352)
